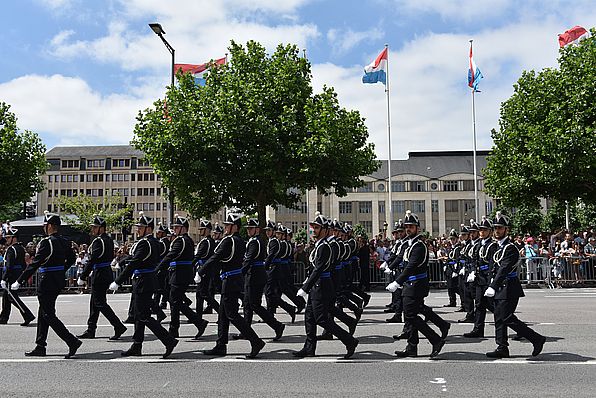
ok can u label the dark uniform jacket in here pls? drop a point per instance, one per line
(228, 254)
(485, 264)
(473, 256)
(141, 265)
(414, 277)
(253, 265)
(396, 257)
(53, 257)
(506, 281)
(274, 252)
(179, 260)
(14, 263)
(101, 254)
(204, 250)
(319, 277)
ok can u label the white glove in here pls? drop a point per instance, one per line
(117, 266)
(197, 278)
(490, 292)
(393, 286)
(472, 276)
(304, 281)
(3, 284)
(454, 275)
(462, 271)
(114, 286)
(15, 286)
(301, 293)
(80, 282)
(388, 270)
(444, 268)
(383, 266)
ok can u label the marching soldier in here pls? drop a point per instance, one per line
(356, 294)
(162, 293)
(203, 252)
(253, 268)
(483, 273)
(450, 270)
(214, 280)
(464, 235)
(506, 290)
(141, 266)
(101, 254)
(470, 253)
(414, 282)
(14, 263)
(273, 261)
(229, 254)
(178, 265)
(54, 255)
(285, 278)
(393, 266)
(319, 287)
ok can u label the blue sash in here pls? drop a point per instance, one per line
(51, 269)
(101, 265)
(419, 276)
(225, 275)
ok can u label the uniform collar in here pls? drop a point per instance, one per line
(414, 239)
(503, 241)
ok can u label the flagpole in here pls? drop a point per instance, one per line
(389, 205)
(474, 152)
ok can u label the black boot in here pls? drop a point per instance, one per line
(118, 331)
(27, 321)
(217, 351)
(38, 351)
(72, 348)
(411, 351)
(133, 351)
(325, 336)
(351, 348)
(87, 334)
(255, 349)
(474, 333)
(201, 328)
(279, 332)
(500, 352)
(538, 345)
(169, 348)
(303, 353)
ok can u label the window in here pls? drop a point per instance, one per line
(367, 225)
(398, 186)
(75, 178)
(151, 191)
(143, 163)
(158, 191)
(69, 193)
(120, 162)
(345, 207)
(49, 193)
(488, 206)
(469, 206)
(70, 164)
(365, 207)
(468, 185)
(367, 187)
(63, 178)
(450, 186)
(418, 206)
(158, 206)
(82, 177)
(320, 207)
(69, 178)
(63, 192)
(381, 207)
(451, 206)
(294, 226)
(417, 186)
(132, 177)
(434, 204)
(139, 191)
(381, 187)
(399, 206)
(96, 163)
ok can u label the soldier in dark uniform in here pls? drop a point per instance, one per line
(354, 292)
(101, 254)
(229, 255)
(285, 278)
(203, 252)
(273, 262)
(450, 270)
(163, 284)
(14, 263)
(393, 266)
(178, 264)
(470, 254)
(141, 266)
(320, 290)
(54, 255)
(414, 282)
(483, 274)
(215, 281)
(506, 290)
(255, 278)
(464, 239)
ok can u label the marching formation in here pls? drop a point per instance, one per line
(481, 268)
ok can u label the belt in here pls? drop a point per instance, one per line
(257, 264)
(143, 271)
(51, 269)
(483, 267)
(101, 265)
(277, 261)
(344, 263)
(451, 262)
(353, 258)
(340, 266)
(512, 275)
(325, 275)
(15, 266)
(419, 276)
(201, 262)
(173, 264)
(224, 275)
(462, 261)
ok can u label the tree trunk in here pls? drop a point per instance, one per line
(261, 211)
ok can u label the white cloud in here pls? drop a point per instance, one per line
(344, 40)
(56, 4)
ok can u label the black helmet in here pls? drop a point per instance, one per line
(180, 221)
(411, 219)
(501, 220)
(98, 221)
(205, 224)
(51, 218)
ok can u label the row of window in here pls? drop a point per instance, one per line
(417, 206)
(100, 192)
(100, 163)
(100, 177)
(420, 186)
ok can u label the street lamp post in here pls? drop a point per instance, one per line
(155, 27)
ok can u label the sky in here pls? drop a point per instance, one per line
(77, 72)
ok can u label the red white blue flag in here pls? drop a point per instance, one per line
(573, 36)
(474, 74)
(197, 70)
(376, 71)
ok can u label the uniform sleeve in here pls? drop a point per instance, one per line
(272, 251)
(140, 252)
(202, 251)
(416, 257)
(224, 247)
(507, 264)
(252, 250)
(176, 249)
(97, 250)
(9, 260)
(322, 259)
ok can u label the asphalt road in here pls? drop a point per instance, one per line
(566, 367)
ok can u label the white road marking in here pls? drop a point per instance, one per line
(569, 296)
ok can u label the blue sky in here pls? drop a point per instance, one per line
(78, 71)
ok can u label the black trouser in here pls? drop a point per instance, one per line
(46, 318)
(397, 302)
(452, 293)
(273, 294)
(161, 295)
(468, 299)
(412, 307)
(317, 313)
(228, 313)
(505, 317)
(98, 303)
(252, 303)
(142, 313)
(178, 305)
(482, 304)
(364, 283)
(154, 306)
(204, 296)
(10, 298)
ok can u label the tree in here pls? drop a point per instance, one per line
(359, 230)
(254, 135)
(22, 162)
(545, 144)
(301, 236)
(81, 209)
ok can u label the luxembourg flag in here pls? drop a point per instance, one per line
(573, 36)
(376, 71)
(474, 74)
(197, 70)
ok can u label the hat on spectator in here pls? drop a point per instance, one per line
(205, 224)
(98, 221)
(485, 223)
(411, 219)
(51, 218)
(473, 225)
(280, 229)
(501, 220)
(180, 221)
(145, 221)
(398, 226)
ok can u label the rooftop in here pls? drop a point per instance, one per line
(93, 151)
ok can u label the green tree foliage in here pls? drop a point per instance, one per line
(527, 219)
(360, 231)
(301, 236)
(22, 162)
(80, 210)
(254, 135)
(546, 146)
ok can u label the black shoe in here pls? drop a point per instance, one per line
(72, 349)
(161, 316)
(352, 327)
(402, 336)
(498, 353)
(169, 348)
(217, 351)
(27, 321)
(445, 331)
(174, 333)
(255, 349)
(389, 305)
(325, 336)
(409, 352)
(351, 348)
(133, 351)
(238, 337)
(208, 310)
(366, 300)
(474, 333)
(538, 346)
(279, 332)
(394, 319)
(300, 307)
(389, 310)
(461, 309)
(3, 321)
(517, 337)
(87, 334)
(450, 305)
(201, 327)
(118, 331)
(358, 314)
(465, 320)
(437, 349)
(37, 352)
(129, 320)
(303, 354)
(292, 313)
